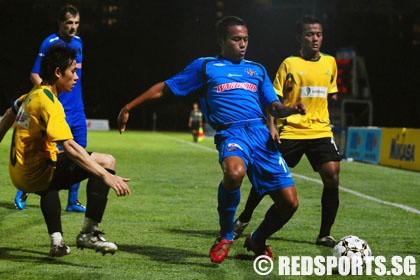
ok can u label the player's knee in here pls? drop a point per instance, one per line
(105, 160)
(294, 205)
(289, 204)
(233, 178)
(109, 161)
(331, 182)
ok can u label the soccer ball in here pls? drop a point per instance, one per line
(352, 246)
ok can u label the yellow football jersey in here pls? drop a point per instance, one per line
(40, 121)
(309, 82)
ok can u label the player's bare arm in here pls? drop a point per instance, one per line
(35, 79)
(279, 110)
(154, 92)
(79, 155)
(272, 127)
(6, 122)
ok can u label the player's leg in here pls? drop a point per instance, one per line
(51, 210)
(269, 174)
(325, 159)
(194, 131)
(97, 198)
(97, 192)
(285, 205)
(329, 201)
(292, 152)
(78, 128)
(66, 174)
(228, 200)
(73, 204)
(195, 135)
(243, 220)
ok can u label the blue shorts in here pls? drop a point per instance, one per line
(78, 127)
(251, 141)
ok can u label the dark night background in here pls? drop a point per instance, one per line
(130, 45)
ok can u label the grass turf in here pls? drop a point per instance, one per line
(164, 230)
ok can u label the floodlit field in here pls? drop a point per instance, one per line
(164, 230)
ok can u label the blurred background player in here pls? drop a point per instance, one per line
(195, 121)
(68, 24)
(308, 76)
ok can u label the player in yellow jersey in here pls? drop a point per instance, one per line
(308, 77)
(37, 166)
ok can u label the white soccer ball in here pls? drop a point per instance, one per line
(352, 246)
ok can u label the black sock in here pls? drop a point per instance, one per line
(51, 210)
(252, 202)
(97, 197)
(329, 203)
(273, 222)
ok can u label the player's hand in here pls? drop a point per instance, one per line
(300, 108)
(122, 119)
(273, 132)
(118, 184)
(334, 97)
(275, 136)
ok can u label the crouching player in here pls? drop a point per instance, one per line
(37, 166)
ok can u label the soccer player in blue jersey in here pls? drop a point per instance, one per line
(68, 23)
(236, 92)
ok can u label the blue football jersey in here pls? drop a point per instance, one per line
(231, 92)
(71, 101)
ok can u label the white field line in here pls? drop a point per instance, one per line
(401, 206)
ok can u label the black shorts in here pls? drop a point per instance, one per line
(195, 125)
(318, 151)
(67, 173)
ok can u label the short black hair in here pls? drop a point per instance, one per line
(222, 26)
(307, 19)
(57, 56)
(67, 9)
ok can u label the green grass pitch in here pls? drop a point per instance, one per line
(164, 230)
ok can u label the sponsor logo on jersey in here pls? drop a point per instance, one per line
(235, 85)
(320, 92)
(23, 118)
(251, 72)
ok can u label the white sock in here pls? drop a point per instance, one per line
(89, 225)
(56, 239)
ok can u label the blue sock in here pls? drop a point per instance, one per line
(227, 204)
(73, 194)
(272, 222)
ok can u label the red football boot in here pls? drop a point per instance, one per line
(220, 250)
